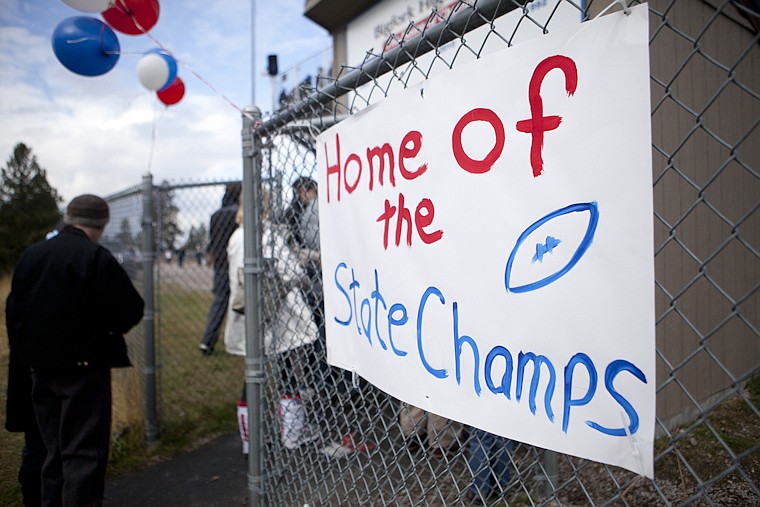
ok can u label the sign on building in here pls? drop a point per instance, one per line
(378, 30)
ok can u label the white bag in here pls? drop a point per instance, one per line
(242, 417)
(292, 416)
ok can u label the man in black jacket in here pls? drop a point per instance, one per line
(69, 307)
(221, 227)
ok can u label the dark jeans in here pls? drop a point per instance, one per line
(74, 414)
(218, 309)
(30, 473)
(489, 461)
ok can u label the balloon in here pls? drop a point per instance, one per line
(85, 45)
(172, 93)
(88, 5)
(157, 69)
(133, 17)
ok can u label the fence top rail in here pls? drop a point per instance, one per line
(135, 190)
(177, 186)
(460, 21)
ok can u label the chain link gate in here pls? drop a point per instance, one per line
(321, 437)
(159, 233)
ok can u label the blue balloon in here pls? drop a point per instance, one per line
(86, 45)
(171, 64)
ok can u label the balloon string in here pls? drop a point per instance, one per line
(124, 52)
(200, 78)
(153, 135)
(81, 39)
(103, 38)
(152, 140)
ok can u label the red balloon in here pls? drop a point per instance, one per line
(172, 93)
(133, 17)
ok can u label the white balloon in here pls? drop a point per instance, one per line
(152, 71)
(89, 5)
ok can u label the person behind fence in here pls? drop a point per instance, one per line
(68, 310)
(234, 327)
(422, 428)
(289, 328)
(221, 226)
(309, 253)
(489, 463)
(302, 219)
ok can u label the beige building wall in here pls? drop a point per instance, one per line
(705, 68)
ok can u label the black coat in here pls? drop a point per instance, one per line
(70, 305)
(19, 410)
(221, 226)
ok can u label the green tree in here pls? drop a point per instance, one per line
(197, 238)
(166, 222)
(125, 237)
(28, 205)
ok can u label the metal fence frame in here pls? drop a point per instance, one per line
(154, 349)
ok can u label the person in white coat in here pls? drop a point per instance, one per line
(287, 330)
(234, 329)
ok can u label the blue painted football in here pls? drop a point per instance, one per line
(548, 246)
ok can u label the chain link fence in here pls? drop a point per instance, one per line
(184, 393)
(359, 446)
(320, 437)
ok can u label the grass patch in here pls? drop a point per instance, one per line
(130, 452)
(753, 388)
(714, 444)
(10, 459)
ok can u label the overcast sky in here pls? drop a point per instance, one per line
(102, 134)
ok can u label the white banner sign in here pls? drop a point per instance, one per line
(487, 243)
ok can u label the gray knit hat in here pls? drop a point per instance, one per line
(87, 210)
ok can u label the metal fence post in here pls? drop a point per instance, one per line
(148, 253)
(254, 361)
(550, 470)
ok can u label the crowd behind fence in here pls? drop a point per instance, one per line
(356, 445)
